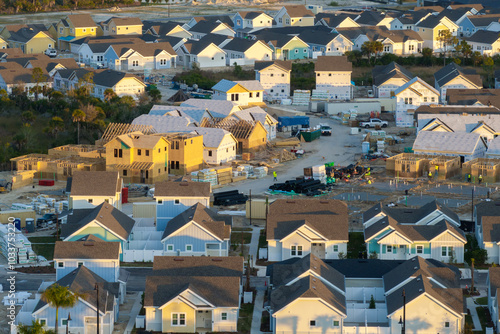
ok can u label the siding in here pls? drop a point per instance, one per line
(106, 269)
(168, 209)
(191, 235)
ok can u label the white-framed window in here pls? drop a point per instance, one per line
(79, 264)
(238, 22)
(446, 251)
(296, 51)
(177, 201)
(312, 323)
(296, 250)
(335, 248)
(420, 249)
(43, 322)
(135, 63)
(223, 316)
(90, 200)
(160, 201)
(336, 323)
(60, 264)
(163, 62)
(178, 319)
(433, 99)
(389, 248)
(447, 324)
(189, 248)
(170, 248)
(64, 322)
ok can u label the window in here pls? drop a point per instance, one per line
(312, 323)
(139, 151)
(147, 153)
(446, 251)
(90, 200)
(282, 90)
(210, 153)
(84, 30)
(170, 248)
(160, 201)
(235, 97)
(336, 323)
(257, 94)
(433, 99)
(335, 248)
(213, 58)
(420, 249)
(177, 201)
(389, 249)
(43, 322)
(296, 51)
(189, 248)
(272, 74)
(282, 75)
(329, 74)
(176, 145)
(79, 264)
(296, 251)
(178, 319)
(116, 153)
(447, 324)
(425, 99)
(223, 316)
(163, 62)
(177, 165)
(135, 63)
(60, 264)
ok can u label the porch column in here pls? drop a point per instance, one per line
(220, 249)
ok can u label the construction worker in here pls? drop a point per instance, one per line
(436, 170)
(368, 172)
(480, 178)
(430, 175)
(275, 176)
(468, 178)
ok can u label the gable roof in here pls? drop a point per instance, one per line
(413, 81)
(491, 228)
(208, 26)
(327, 217)
(95, 183)
(307, 287)
(383, 73)
(494, 278)
(124, 21)
(139, 140)
(484, 37)
(285, 65)
(196, 47)
(250, 15)
(298, 11)
(317, 36)
(24, 33)
(370, 18)
(212, 137)
(363, 268)
(81, 20)
(108, 216)
(224, 85)
(90, 248)
(277, 40)
(450, 142)
(83, 281)
(164, 124)
(483, 20)
(452, 71)
(217, 225)
(473, 96)
(182, 189)
(242, 45)
(332, 64)
(220, 106)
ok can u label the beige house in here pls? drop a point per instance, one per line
(219, 145)
(246, 52)
(138, 158)
(138, 56)
(453, 76)
(387, 79)
(485, 42)
(90, 189)
(333, 77)
(122, 26)
(274, 76)
(410, 96)
(294, 15)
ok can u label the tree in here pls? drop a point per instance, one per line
(78, 116)
(427, 52)
(155, 95)
(488, 66)
(476, 58)
(85, 86)
(372, 48)
(28, 117)
(464, 49)
(447, 39)
(372, 303)
(109, 95)
(35, 328)
(56, 124)
(37, 77)
(58, 296)
(354, 56)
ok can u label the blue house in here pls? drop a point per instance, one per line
(97, 255)
(175, 197)
(198, 231)
(104, 221)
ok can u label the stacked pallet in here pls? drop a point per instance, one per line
(205, 175)
(320, 95)
(260, 172)
(301, 97)
(43, 204)
(224, 176)
(21, 252)
(319, 173)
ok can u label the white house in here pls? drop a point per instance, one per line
(454, 76)
(485, 42)
(274, 76)
(219, 145)
(247, 52)
(245, 22)
(410, 96)
(202, 28)
(175, 197)
(207, 52)
(90, 189)
(299, 227)
(431, 231)
(487, 226)
(389, 78)
(243, 93)
(333, 77)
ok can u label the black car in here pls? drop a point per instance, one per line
(46, 219)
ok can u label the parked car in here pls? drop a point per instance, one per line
(326, 130)
(373, 123)
(51, 52)
(47, 219)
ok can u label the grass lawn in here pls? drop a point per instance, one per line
(262, 239)
(245, 320)
(483, 317)
(355, 245)
(136, 264)
(236, 238)
(45, 250)
(482, 300)
(42, 240)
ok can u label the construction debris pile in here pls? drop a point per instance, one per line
(230, 197)
(301, 186)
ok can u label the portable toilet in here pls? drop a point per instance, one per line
(30, 225)
(17, 223)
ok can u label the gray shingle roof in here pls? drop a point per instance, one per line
(240, 44)
(108, 216)
(218, 225)
(327, 217)
(484, 36)
(494, 277)
(491, 228)
(452, 71)
(383, 73)
(164, 124)
(370, 18)
(195, 47)
(182, 189)
(212, 137)
(220, 106)
(95, 183)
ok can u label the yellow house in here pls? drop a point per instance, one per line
(122, 26)
(32, 38)
(74, 27)
(429, 29)
(186, 153)
(295, 15)
(193, 294)
(3, 43)
(138, 158)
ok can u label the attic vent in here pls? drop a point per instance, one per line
(217, 260)
(420, 290)
(178, 259)
(314, 287)
(100, 216)
(314, 280)
(414, 259)
(190, 217)
(415, 268)
(315, 267)
(418, 278)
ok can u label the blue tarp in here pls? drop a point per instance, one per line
(292, 121)
(67, 38)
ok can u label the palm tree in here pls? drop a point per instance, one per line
(78, 116)
(35, 328)
(59, 296)
(109, 94)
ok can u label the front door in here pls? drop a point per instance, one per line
(402, 252)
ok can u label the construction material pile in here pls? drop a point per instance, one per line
(205, 175)
(19, 251)
(346, 173)
(230, 197)
(43, 204)
(301, 186)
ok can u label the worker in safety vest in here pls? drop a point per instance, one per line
(275, 176)
(430, 175)
(480, 179)
(468, 178)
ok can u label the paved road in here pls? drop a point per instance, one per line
(340, 148)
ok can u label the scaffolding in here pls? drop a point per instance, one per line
(489, 169)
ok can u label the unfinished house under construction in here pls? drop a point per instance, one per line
(489, 169)
(251, 135)
(410, 165)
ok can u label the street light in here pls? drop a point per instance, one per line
(402, 322)
(67, 323)
(96, 288)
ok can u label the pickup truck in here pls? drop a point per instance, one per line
(373, 122)
(326, 130)
(47, 218)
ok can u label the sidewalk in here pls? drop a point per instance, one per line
(254, 244)
(471, 305)
(134, 312)
(257, 310)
